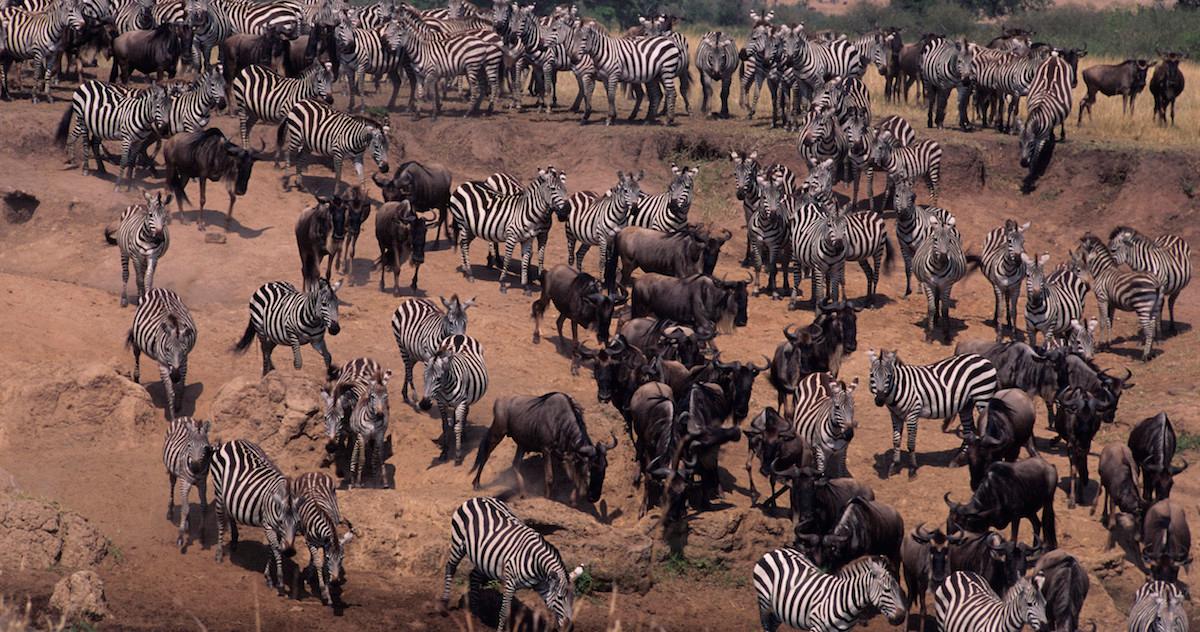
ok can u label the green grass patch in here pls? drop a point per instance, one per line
(585, 584)
(1186, 441)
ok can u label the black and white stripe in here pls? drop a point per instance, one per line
(938, 264)
(946, 65)
(1002, 264)
(757, 56)
(282, 315)
(594, 220)
(768, 229)
(213, 21)
(135, 15)
(912, 225)
(435, 59)
(142, 237)
(317, 518)
(1158, 607)
(419, 327)
(343, 391)
(1052, 302)
(1008, 78)
(824, 415)
(746, 171)
(964, 602)
(163, 329)
(38, 37)
(916, 159)
(1167, 258)
(816, 62)
(866, 241)
(369, 50)
(1048, 105)
(792, 590)
(261, 94)
(716, 61)
(822, 138)
(186, 455)
(644, 60)
(456, 377)
(189, 111)
(369, 424)
(667, 211)
(1116, 289)
(103, 111)
(325, 131)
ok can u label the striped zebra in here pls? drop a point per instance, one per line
(170, 12)
(594, 220)
(768, 231)
(317, 519)
(1052, 302)
(282, 315)
(356, 404)
(643, 60)
(938, 264)
(866, 241)
(918, 159)
(186, 453)
(807, 216)
(964, 602)
(818, 245)
(37, 37)
(716, 61)
(1009, 78)
(215, 20)
(141, 234)
(912, 225)
(502, 548)
(261, 94)
(163, 329)
(342, 391)
(480, 211)
(106, 112)
(667, 212)
(371, 50)
(824, 415)
(419, 327)
(946, 65)
(746, 170)
(456, 377)
(1003, 265)
(822, 138)
(1049, 104)
(1167, 258)
(135, 15)
(249, 489)
(1115, 289)
(1158, 607)
(871, 49)
(932, 391)
(815, 62)
(189, 111)
(792, 590)
(329, 132)
(433, 60)
(757, 56)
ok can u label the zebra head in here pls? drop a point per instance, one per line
(336, 553)
(1030, 600)
(557, 589)
(679, 193)
(883, 374)
(502, 14)
(282, 517)
(435, 373)
(859, 134)
(590, 38)
(550, 187)
(819, 182)
(159, 98)
(1081, 340)
(198, 448)
(212, 85)
(1035, 279)
(944, 240)
(326, 302)
(835, 230)
(198, 13)
(1081, 264)
(144, 18)
(379, 146)
(334, 400)
(1034, 133)
(745, 173)
(1120, 243)
(454, 323)
(627, 190)
(964, 60)
(1014, 239)
(318, 80)
(841, 411)
(881, 151)
(176, 341)
(70, 12)
(376, 401)
(883, 590)
(157, 217)
(759, 45)
(770, 195)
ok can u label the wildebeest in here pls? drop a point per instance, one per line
(866, 527)
(815, 348)
(1166, 540)
(1064, 584)
(658, 451)
(357, 208)
(1008, 427)
(401, 237)
(1118, 478)
(923, 555)
(579, 297)
(152, 51)
(207, 155)
(1152, 442)
(1127, 79)
(618, 371)
(1020, 366)
(671, 341)
(737, 381)
(426, 187)
(998, 561)
(701, 412)
(817, 502)
(1008, 493)
(1166, 85)
(676, 254)
(314, 229)
(553, 425)
(772, 440)
(244, 49)
(1078, 424)
(697, 300)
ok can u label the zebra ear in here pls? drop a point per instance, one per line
(1024, 227)
(693, 171)
(675, 169)
(733, 155)
(387, 375)
(1027, 260)
(1044, 258)
(205, 427)
(872, 356)
(754, 155)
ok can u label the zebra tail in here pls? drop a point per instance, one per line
(247, 338)
(64, 127)
(109, 234)
(889, 254)
(129, 339)
(280, 134)
(685, 83)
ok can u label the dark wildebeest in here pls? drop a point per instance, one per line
(773, 441)
(1152, 442)
(1020, 366)
(207, 155)
(1078, 423)
(618, 371)
(153, 51)
(357, 209)
(401, 236)
(698, 300)
(702, 411)
(998, 561)
(426, 187)
(1064, 584)
(669, 340)
(737, 381)
(579, 297)
(1008, 493)
(1008, 427)
(676, 254)
(658, 450)
(1166, 540)
(1166, 85)
(866, 527)
(1127, 79)
(553, 425)
(817, 347)
(1074, 370)
(1118, 478)
(245, 49)
(923, 555)
(817, 502)
(792, 361)
(314, 230)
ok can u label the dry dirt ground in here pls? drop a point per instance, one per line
(75, 431)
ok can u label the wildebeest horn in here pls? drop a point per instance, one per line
(950, 503)
(789, 334)
(617, 345)
(587, 353)
(693, 429)
(790, 472)
(612, 444)
(922, 532)
(727, 235)
(955, 538)
(1177, 470)
(722, 365)
(764, 367)
(621, 297)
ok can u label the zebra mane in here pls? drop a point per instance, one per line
(865, 563)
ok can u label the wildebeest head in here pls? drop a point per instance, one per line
(357, 208)
(242, 164)
(679, 192)
(938, 551)
(737, 379)
(846, 535)
(198, 448)
(711, 242)
(454, 323)
(601, 306)
(606, 366)
(738, 299)
(596, 460)
(675, 483)
(883, 374)
(843, 320)
(325, 300)
(745, 173)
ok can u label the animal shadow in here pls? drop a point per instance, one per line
(188, 398)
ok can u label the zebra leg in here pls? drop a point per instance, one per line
(202, 490)
(356, 459)
(460, 420)
(931, 311)
(267, 348)
(125, 281)
(169, 388)
(526, 255)
(171, 479)
(610, 87)
(147, 279)
(583, 250)
(911, 423)
(409, 362)
(457, 551)
(897, 427)
(509, 244)
(318, 343)
(276, 560)
(542, 238)
(725, 84)
(464, 248)
(185, 486)
(705, 92)
(222, 517)
(671, 94)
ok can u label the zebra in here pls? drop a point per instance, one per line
(106, 112)
(463, 54)
(870, 47)
(643, 60)
(329, 132)
(369, 424)
(135, 15)
(372, 50)
(249, 489)
(792, 590)
(189, 110)
(946, 65)
(818, 244)
(761, 49)
(824, 415)
(317, 519)
(716, 61)
(912, 225)
(822, 138)
(933, 391)
(816, 61)
(455, 376)
(342, 391)
(667, 212)
(595, 220)
(141, 234)
(1167, 258)
(280, 314)
(768, 231)
(1158, 607)
(746, 170)
(919, 159)
(502, 548)
(1049, 104)
(481, 211)
(260, 94)
(1002, 264)
(163, 329)
(419, 327)
(215, 20)
(1052, 302)
(1115, 289)
(1009, 77)
(37, 37)
(939, 263)
(186, 454)
(866, 241)
(964, 602)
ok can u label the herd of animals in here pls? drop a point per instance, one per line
(656, 361)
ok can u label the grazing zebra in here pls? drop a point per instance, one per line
(768, 231)
(824, 415)
(142, 236)
(667, 212)
(792, 590)
(746, 170)
(916, 159)
(502, 548)
(282, 315)
(261, 94)
(1167, 258)
(481, 211)
(946, 65)
(106, 112)
(1052, 302)
(939, 263)
(761, 49)
(1115, 289)
(186, 453)
(455, 376)
(1003, 265)
(249, 489)
(1048, 105)
(912, 225)
(866, 241)
(38, 37)
(964, 602)
(419, 328)
(433, 60)
(163, 329)
(933, 391)
(189, 110)
(716, 60)
(371, 50)
(1158, 607)
(645, 60)
(329, 132)
(317, 518)
(594, 220)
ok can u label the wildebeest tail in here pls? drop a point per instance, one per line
(247, 338)
(64, 127)
(499, 427)
(610, 265)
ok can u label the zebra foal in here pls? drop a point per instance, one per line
(163, 329)
(186, 454)
(792, 590)
(141, 235)
(282, 315)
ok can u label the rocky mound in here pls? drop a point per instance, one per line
(38, 534)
